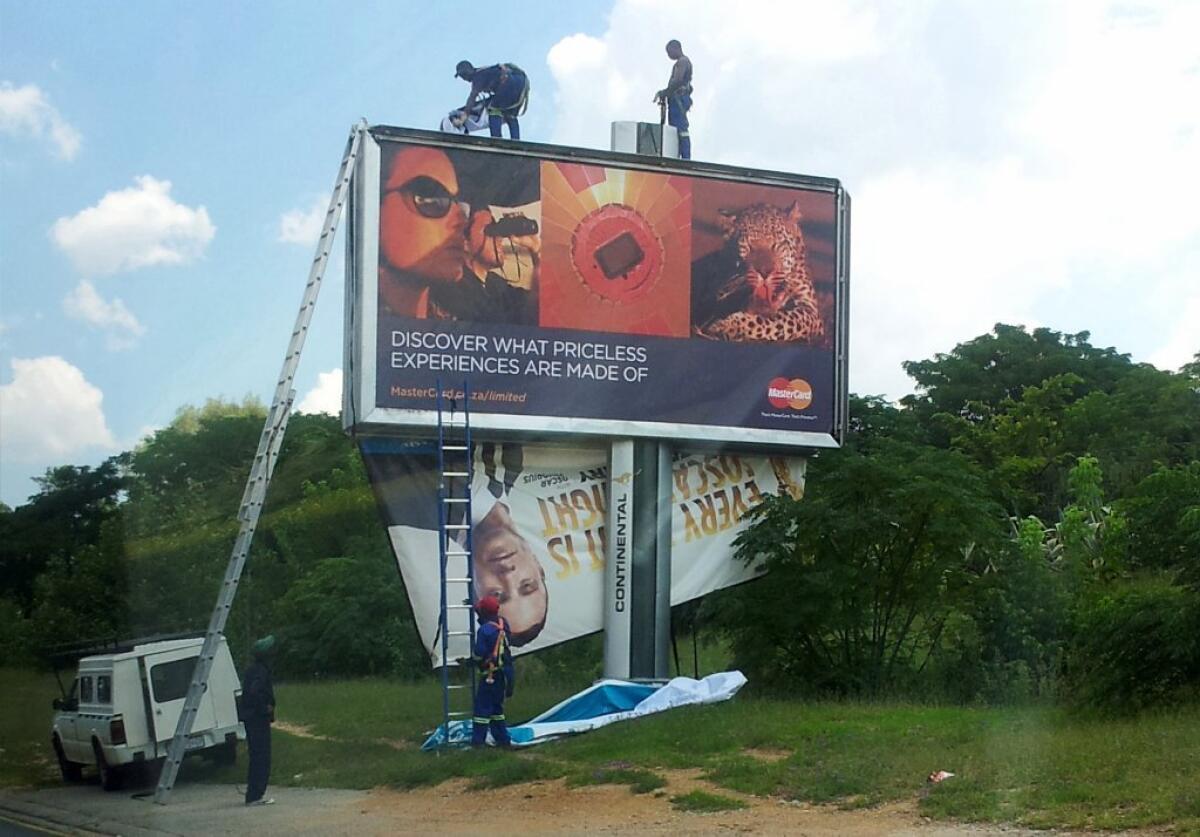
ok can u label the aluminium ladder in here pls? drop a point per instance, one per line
(260, 472)
(456, 620)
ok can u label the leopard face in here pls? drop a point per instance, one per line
(771, 263)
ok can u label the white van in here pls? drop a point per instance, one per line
(122, 709)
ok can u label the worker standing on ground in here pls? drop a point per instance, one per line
(496, 665)
(508, 87)
(258, 711)
(678, 96)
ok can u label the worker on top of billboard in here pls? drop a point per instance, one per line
(438, 254)
(504, 566)
(678, 96)
(508, 87)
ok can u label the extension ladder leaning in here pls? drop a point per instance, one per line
(260, 472)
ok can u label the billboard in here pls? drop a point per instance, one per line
(539, 532)
(593, 294)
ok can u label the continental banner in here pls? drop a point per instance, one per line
(596, 297)
(538, 529)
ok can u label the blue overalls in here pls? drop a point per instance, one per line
(678, 106)
(509, 87)
(495, 661)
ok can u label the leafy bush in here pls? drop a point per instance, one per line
(348, 617)
(1164, 520)
(865, 572)
(1136, 645)
(14, 635)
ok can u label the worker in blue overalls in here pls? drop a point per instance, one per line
(678, 97)
(508, 87)
(495, 662)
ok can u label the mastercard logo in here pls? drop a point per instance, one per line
(796, 393)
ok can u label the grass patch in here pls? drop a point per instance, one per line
(702, 802)
(392, 710)
(638, 779)
(1034, 766)
(25, 755)
(510, 769)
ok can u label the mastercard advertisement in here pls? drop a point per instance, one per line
(585, 294)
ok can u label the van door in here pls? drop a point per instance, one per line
(68, 722)
(170, 673)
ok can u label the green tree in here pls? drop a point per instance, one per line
(67, 514)
(83, 596)
(1164, 521)
(864, 572)
(1136, 644)
(193, 470)
(1149, 419)
(1020, 443)
(981, 374)
(348, 616)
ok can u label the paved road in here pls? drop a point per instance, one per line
(21, 827)
(193, 809)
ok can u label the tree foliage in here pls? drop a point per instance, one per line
(865, 571)
(1085, 460)
(1025, 525)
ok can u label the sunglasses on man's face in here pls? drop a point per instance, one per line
(430, 198)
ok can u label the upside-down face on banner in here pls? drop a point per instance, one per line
(538, 528)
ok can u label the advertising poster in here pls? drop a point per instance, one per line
(577, 297)
(538, 529)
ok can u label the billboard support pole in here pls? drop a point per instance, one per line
(637, 612)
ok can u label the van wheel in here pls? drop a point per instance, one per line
(111, 776)
(71, 771)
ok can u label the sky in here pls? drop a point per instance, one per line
(165, 167)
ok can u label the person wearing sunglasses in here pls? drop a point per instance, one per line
(422, 232)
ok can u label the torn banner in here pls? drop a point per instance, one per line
(538, 522)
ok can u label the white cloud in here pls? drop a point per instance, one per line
(50, 411)
(326, 396)
(136, 227)
(303, 226)
(25, 111)
(1004, 159)
(85, 303)
(1182, 344)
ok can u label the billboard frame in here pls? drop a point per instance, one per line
(360, 415)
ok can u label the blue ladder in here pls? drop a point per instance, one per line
(456, 623)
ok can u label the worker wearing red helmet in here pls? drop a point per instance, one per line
(495, 662)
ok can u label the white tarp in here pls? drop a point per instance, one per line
(603, 704)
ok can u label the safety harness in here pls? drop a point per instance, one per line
(494, 660)
(518, 107)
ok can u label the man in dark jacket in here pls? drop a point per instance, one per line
(496, 665)
(258, 711)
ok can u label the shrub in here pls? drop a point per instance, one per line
(1136, 645)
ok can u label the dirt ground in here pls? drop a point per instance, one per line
(450, 808)
(550, 807)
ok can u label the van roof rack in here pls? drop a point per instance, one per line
(69, 653)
